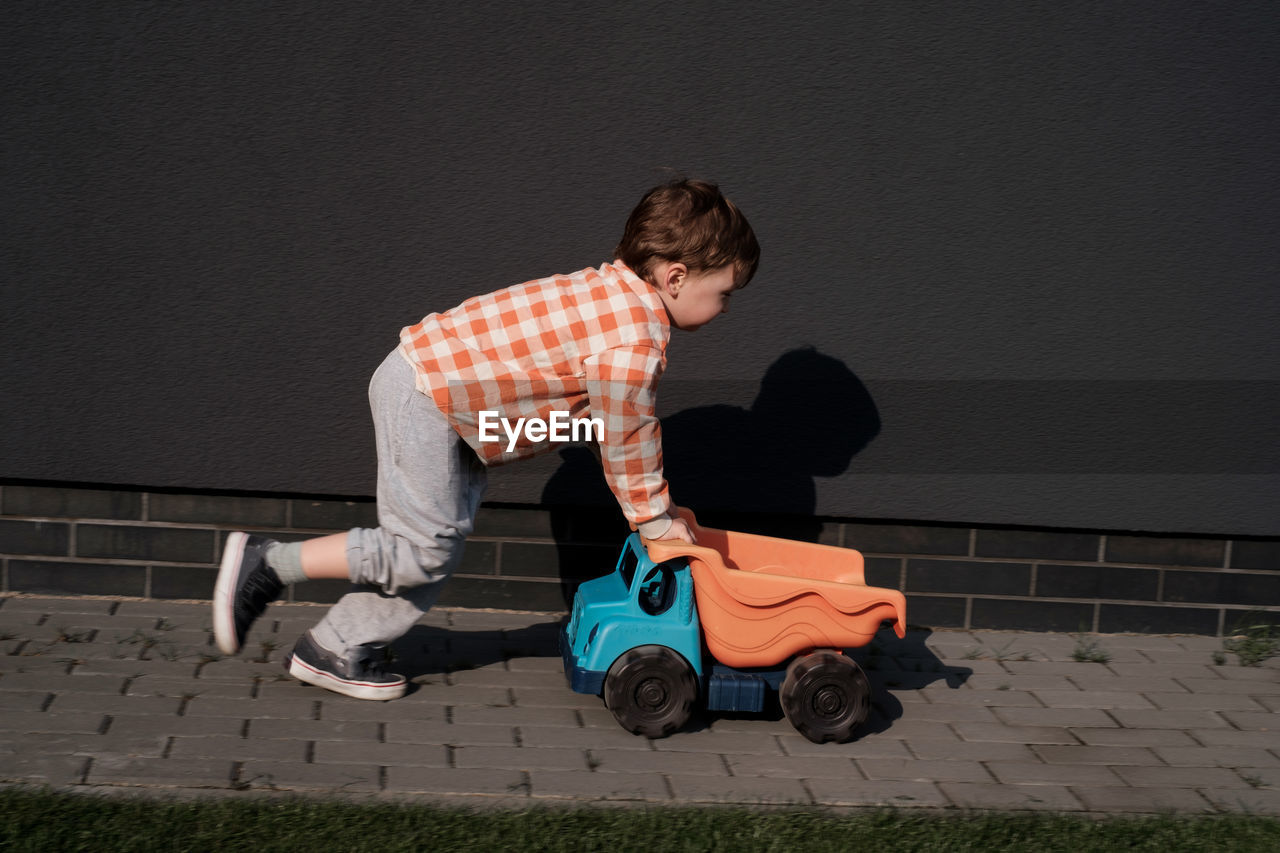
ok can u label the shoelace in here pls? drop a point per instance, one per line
(261, 588)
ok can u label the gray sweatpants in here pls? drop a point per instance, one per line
(429, 486)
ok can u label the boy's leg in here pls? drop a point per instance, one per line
(429, 487)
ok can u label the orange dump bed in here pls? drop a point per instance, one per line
(762, 600)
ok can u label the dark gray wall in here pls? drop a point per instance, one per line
(1036, 240)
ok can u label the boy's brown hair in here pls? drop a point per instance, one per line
(689, 222)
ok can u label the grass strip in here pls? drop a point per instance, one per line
(45, 821)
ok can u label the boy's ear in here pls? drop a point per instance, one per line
(673, 277)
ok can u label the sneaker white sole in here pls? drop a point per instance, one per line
(355, 689)
(224, 621)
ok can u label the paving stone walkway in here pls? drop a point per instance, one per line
(131, 694)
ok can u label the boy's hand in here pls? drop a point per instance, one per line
(680, 530)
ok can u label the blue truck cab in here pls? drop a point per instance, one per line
(639, 603)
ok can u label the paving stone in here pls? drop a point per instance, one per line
(442, 694)
(497, 675)
(129, 725)
(583, 785)
(742, 790)
(406, 711)
(961, 751)
(726, 743)
(1068, 668)
(979, 711)
(244, 708)
(512, 717)
(1231, 737)
(1220, 756)
(11, 665)
(1108, 755)
(160, 706)
(53, 770)
(1179, 777)
(1151, 800)
(1056, 717)
(1090, 681)
(382, 754)
(587, 738)
(858, 792)
(1099, 699)
(1037, 773)
(990, 795)
(537, 664)
(455, 734)
(236, 748)
(1266, 674)
(993, 697)
(56, 682)
(1205, 702)
(1030, 682)
(33, 700)
(1260, 801)
(529, 697)
(433, 780)
(1001, 733)
(907, 729)
(519, 758)
(1260, 776)
(796, 767)
(165, 686)
(81, 722)
(188, 773)
(1224, 686)
(1168, 719)
(291, 776)
(313, 729)
(757, 724)
(67, 604)
(869, 745)
(683, 763)
(1253, 721)
(1134, 737)
(919, 770)
(1185, 669)
(135, 669)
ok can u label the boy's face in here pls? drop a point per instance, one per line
(695, 298)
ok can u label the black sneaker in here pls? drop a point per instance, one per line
(361, 678)
(246, 585)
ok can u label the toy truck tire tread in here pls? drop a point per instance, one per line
(651, 691)
(825, 696)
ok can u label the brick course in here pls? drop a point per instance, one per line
(164, 544)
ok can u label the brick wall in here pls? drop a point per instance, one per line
(64, 540)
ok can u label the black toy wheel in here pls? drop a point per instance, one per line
(825, 696)
(651, 691)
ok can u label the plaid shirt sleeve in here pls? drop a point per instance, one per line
(622, 385)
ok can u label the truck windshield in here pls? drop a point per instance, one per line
(628, 564)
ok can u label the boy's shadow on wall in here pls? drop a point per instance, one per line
(757, 465)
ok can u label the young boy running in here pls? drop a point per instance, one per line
(590, 345)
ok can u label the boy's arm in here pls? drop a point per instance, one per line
(622, 384)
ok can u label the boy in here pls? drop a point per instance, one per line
(590, 345)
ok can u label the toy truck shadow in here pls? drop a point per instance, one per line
(729, 624)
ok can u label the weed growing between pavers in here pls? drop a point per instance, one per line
(1253, 641)
(37, 820)
(1089, 650)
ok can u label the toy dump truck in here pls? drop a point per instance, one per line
(723, 622)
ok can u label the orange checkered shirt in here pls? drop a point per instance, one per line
(592, 344)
